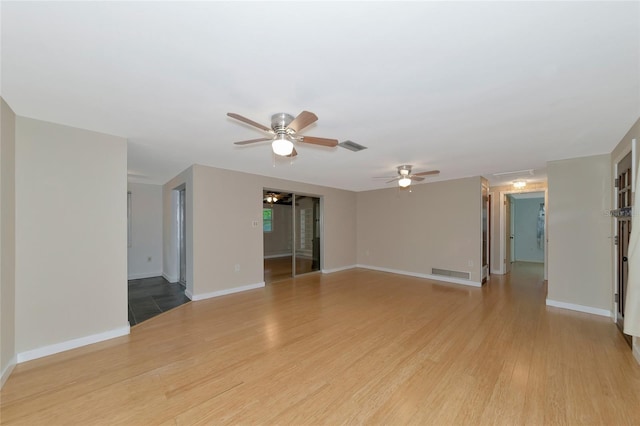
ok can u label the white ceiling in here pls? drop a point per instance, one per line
(467, 88)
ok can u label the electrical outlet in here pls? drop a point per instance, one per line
(255, 223)
(470, 263)
(149, 259)
(237, 267)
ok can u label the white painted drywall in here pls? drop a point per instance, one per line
(7, 241)
(144, 257)
(71, 234)
(579, 232)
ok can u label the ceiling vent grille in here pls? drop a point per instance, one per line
(352, 146)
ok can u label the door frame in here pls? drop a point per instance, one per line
(294, 223)
(503, 232)
(634, 168)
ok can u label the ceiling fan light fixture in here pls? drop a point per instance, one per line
(404, 182)
(282, 145)
(519, 184)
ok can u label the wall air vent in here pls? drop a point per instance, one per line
(352, 146)
(448, 273)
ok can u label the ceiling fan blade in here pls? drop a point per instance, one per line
(430, 172)
(293, 153)
(252, 141)
(250, 122)
(383, 177)
(302, 120)
(416, 178)
(319, 141)
(395, 179)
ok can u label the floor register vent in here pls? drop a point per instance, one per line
(448, 273)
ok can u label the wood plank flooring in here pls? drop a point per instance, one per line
(356, 347)
(279, 268)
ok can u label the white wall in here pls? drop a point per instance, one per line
(526, 245)
(436, 225)
(579, 232)
(144, 257)
(71, 237)
(7, 241)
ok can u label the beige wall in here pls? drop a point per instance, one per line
(437, 225)
(224, 234)
(579, 232)
(7, 240)
(71, 234)
(279, 241)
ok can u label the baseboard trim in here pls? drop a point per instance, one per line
(496, 272)
(452, 280)
(170, 278)
(71, 344)
(579, 308)
(146, 275)
(7, 371)
(341, 268)
(196, 297)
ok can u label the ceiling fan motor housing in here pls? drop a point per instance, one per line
(404, 170)
(280, 121)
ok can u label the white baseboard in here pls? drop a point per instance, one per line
(170, 278)
(188, 294)
(579, 308)
(341, 268)
(496, 272)
(144, 275)
(71, 344)
(7, 371)
(196, 297)
(452, 280)
(275, 256)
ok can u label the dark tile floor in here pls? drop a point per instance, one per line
(149, 297)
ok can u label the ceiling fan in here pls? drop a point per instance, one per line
(405, 177)
(284, 132)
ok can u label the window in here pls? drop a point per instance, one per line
(267, 219)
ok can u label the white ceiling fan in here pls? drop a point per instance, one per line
(405, 177)
(284, 132)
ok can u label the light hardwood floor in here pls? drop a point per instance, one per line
(357, 347)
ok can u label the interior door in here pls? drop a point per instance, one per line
(508, 234)
(623, 219)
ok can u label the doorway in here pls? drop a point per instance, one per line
(523, 228)
(182, 237)
(291, 234)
